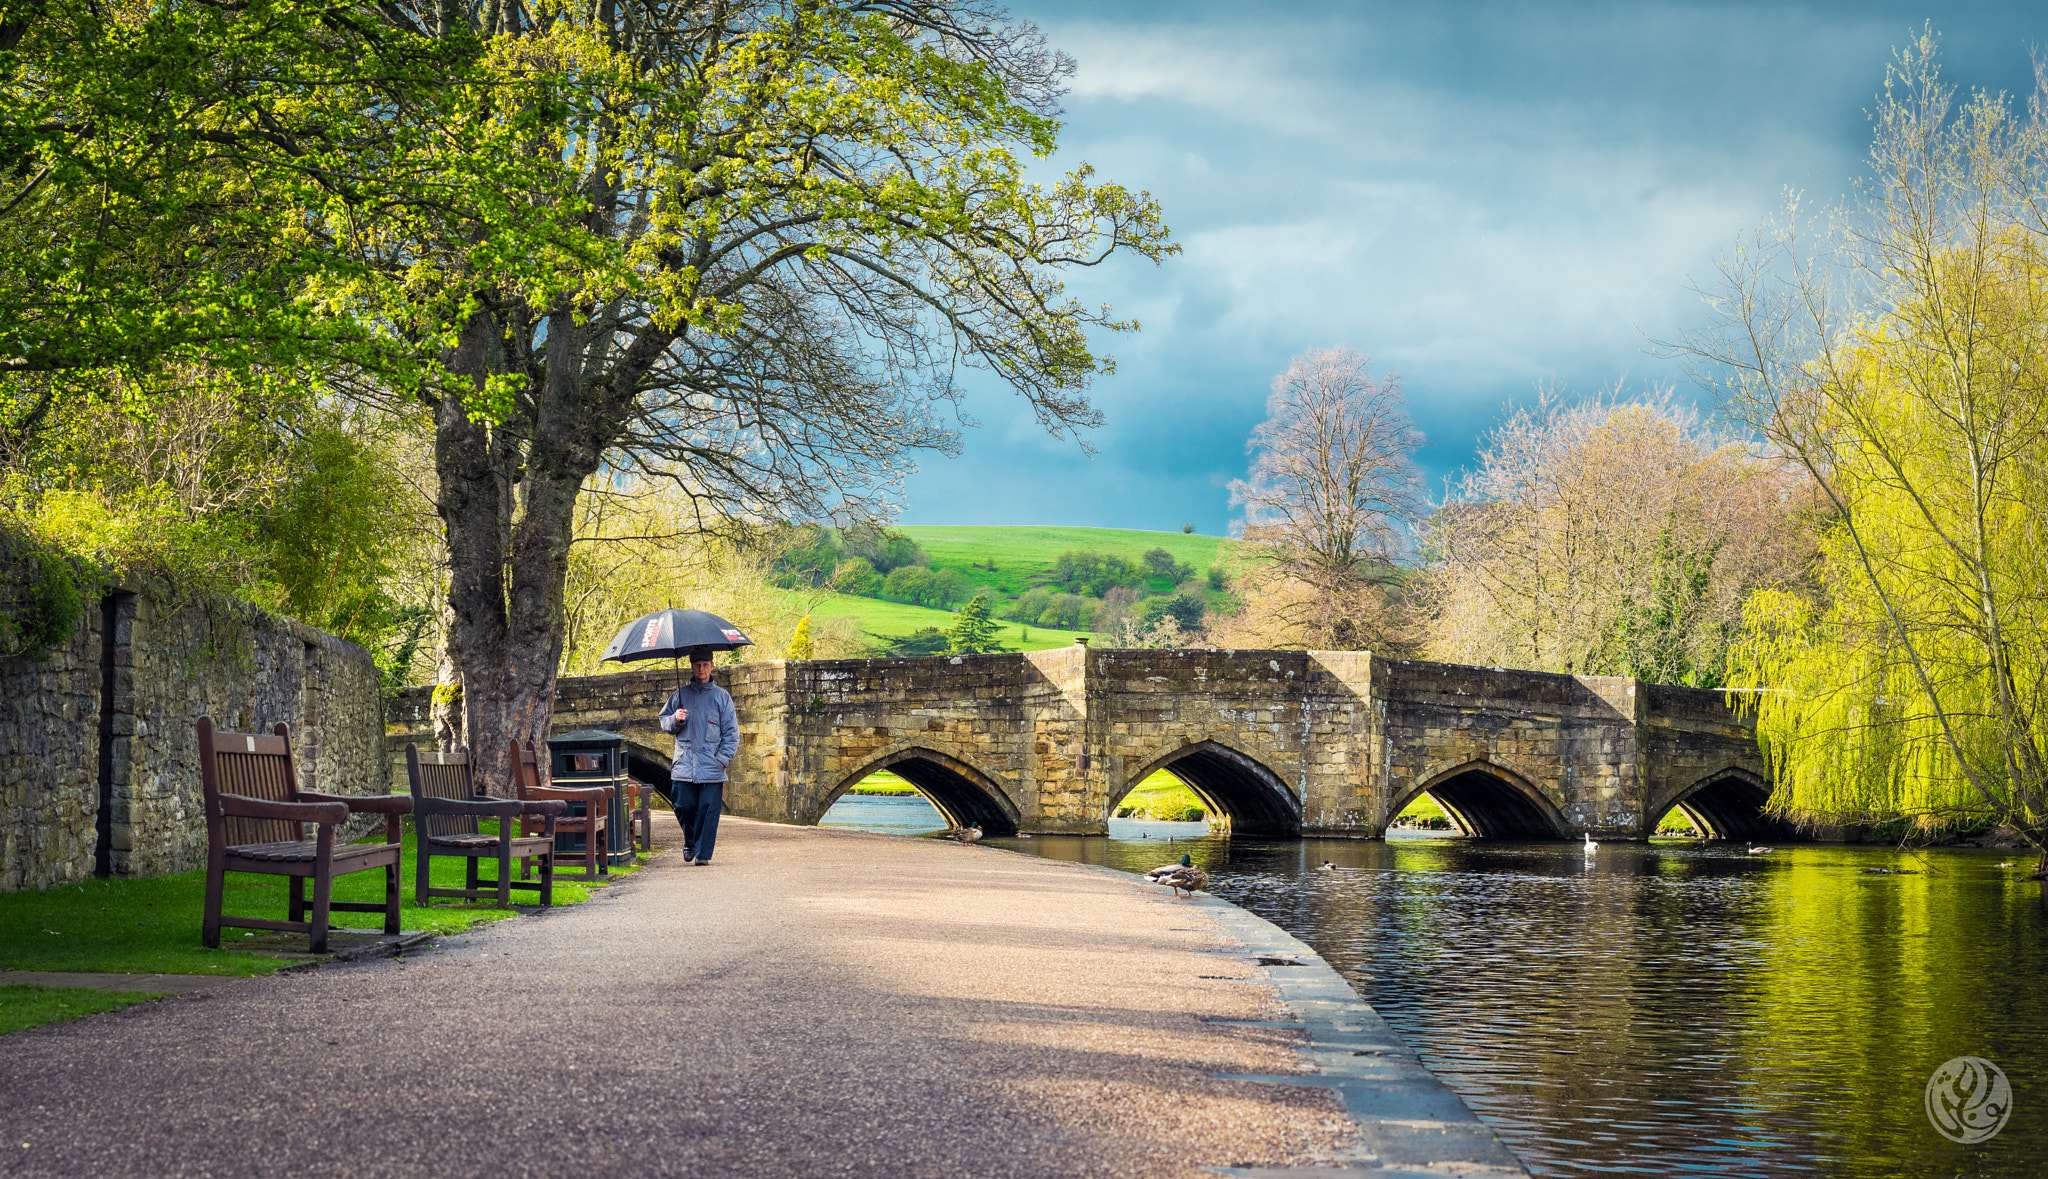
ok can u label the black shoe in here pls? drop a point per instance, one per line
(688, 855)
(703, 863)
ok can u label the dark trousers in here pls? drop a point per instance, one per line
(697, 806)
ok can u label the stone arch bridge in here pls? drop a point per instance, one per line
(1278, 743)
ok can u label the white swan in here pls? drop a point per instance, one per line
(1590, 844)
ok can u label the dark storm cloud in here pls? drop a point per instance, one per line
(1482, 197)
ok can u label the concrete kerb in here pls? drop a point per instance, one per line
(1409, 1122)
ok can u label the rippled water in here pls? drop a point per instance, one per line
(1671, 1008)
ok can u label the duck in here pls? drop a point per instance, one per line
(1591, 843)
(1181, 876)
(1761, 851)
(1327, 867)
(965, 834)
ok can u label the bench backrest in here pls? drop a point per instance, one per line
(254, 765)
(440, 775)
(525, 770)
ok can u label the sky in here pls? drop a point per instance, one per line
(1484, 198)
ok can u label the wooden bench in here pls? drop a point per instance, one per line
(592, 823)
(255, 822)
(446, 810)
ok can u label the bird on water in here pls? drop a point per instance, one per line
(1182, 876)
(1590, 843)
(1761, 851)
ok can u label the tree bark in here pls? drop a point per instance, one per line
(509, 507)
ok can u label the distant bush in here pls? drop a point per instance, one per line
(1187, 529)
(1047, 608)
(884, 551)
(1095, 574)
(1160, 564)
(1186, 608)
(812, 554)
(1217, 579)
(936, 588)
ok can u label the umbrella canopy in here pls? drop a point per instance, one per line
(669, 634)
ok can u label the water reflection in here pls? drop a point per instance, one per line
(1670, 1008)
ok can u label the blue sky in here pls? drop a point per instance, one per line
(1481, 197)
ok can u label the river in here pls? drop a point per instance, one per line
(1660, 1009)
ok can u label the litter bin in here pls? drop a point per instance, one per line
(593, 757)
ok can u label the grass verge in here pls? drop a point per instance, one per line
(152, 925)
(29, 1007)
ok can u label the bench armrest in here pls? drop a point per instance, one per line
(570, 793)
(544, 807)
(483, 804)
(375, 804)
(242, 806)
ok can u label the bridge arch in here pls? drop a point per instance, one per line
(961, 791)
(1489, 801)
(1252, 799)
(1727, 803)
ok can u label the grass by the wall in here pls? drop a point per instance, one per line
(153, 924)
(29, 1007)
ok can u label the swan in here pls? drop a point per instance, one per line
(1590, 843)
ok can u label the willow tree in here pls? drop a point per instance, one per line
(1904, 368)
(744, 246)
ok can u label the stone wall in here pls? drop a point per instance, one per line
(98, 750)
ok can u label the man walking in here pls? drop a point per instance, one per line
(707, 733)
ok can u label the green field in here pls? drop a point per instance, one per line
(1006, 557)
(893, 619)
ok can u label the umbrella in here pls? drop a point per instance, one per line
(670, 634)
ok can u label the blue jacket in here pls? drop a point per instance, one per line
(708, 739)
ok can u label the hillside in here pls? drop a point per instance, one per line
(1013, 558)
(895, 619)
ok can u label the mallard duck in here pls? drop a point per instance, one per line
(1761, 851)
(1181, 876)
(1327, 867)
(965, 834)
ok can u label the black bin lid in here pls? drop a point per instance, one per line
(586, 741)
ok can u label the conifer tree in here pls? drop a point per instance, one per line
(973, 632)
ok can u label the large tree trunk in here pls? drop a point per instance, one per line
(509, 507)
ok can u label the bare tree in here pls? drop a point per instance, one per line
(1610, 536)
(1332, 495)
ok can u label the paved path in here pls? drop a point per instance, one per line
(815, 1003)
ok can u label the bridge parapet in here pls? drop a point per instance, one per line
(1327, 743)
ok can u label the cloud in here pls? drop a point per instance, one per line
(1480, 196)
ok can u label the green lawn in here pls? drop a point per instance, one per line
(1017, 552)
(152, 924)
(30, 1007)
(1163, 796)
(882, 782)
(894, 619)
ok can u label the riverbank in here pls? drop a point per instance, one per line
(814, 1002)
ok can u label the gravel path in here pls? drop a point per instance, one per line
(816, 1002)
